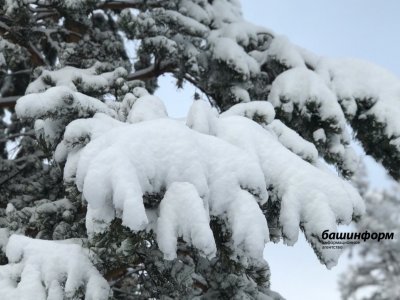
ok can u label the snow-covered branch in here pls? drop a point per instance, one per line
(42, 269)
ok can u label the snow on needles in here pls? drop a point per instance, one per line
(229, 52)
(301, 86)
(59, 98)
(47, 270)
(115, 170)
(183, 213)
(72, 77)
(310, 198)
(120, 163)
(355, 80)
(293, 141)
(301, 91)
(214, 166)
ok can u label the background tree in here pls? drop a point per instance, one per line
(87, 105)
(377, 271)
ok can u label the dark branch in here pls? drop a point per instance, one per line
(44, 15)
(9, 102)
(210, 97)
(152, 71)
(13, 136)
(121, 4)
(26, 71)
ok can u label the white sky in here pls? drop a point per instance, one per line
(366, 29)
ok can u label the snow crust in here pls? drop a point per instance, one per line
(40, 269)
(59, 98)
(284, 51)
(229, 52)
(298, 86)
(201, 118)
(184, 214)
(240, 31)
(86, 79)
(194, 27)
(241, 95)
(293, 141)
(116, 169)
(355, 80)
(310, 198)
(301, 91)
(259, 111)
(225, 11)
(319, 135)
(147, 107)
(194, 10)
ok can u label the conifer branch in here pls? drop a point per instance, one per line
(12, 35)
(152, 71)
(8, 102)
(121, 4)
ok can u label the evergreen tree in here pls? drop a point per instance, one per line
(377, 271)
(142, 206)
